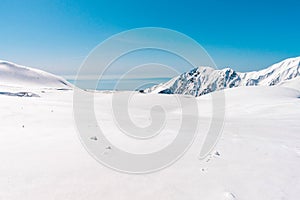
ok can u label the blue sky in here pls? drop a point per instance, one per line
(57, 35)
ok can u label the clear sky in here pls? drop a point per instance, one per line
(57, 35)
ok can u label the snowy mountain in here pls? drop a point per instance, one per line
(19, 76)
(257, 156)
(203, 80)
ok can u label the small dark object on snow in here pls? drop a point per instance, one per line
(94, 138)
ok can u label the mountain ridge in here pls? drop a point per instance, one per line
(15, 75)
(204, 80)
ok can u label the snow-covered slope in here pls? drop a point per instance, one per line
(293, 83)
(257, 157)
(19, 76)
(204, 80)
